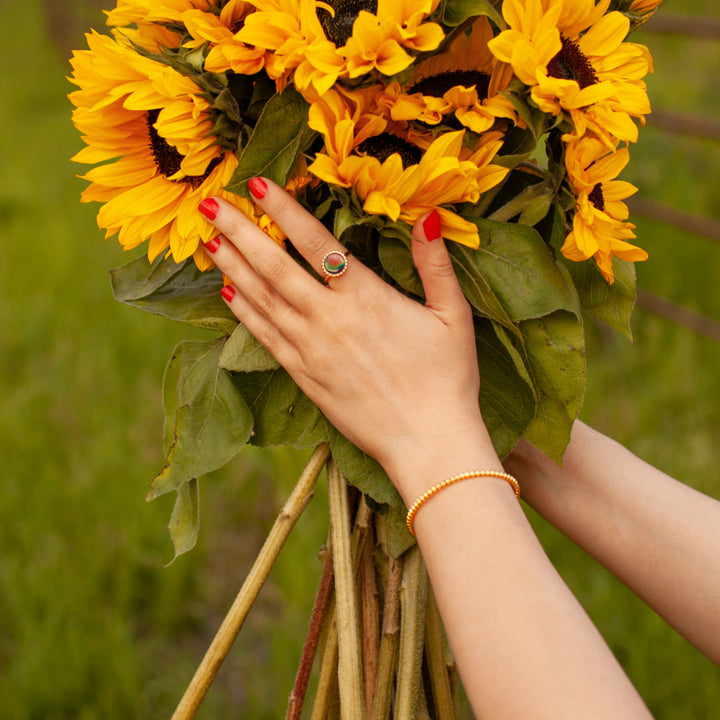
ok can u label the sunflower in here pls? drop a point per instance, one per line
(226, 52)
(151, 130)
(599, 229)
(378, 41)
(464, 81)
(153, 24)
(318, 42)
(574, 58)
(394, 176)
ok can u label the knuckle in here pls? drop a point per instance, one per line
(273, 267)
(442, 266)
(316, 242)
(268, 337)
(266, 301)
(231, 227)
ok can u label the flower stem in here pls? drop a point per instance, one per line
(437, 665)
(370, 621)
(389, 642)
(222, 642)
(352, 700)
(413, 598)
(327, 682)
(320, 608)
(360, 536)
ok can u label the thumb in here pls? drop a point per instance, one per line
(432, 260)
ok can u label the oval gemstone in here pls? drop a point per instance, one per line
(334, 263)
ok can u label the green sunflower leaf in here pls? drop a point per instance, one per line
(396, 259)
(361, 470)
(554, 347)
(139, 278)
(185, 519)
(280, 137)
(397, 537)
(536, 209)
(458, 11)
(476, 287)
(243, 353)
(520, 269)
(179, 292)
(507, 400)
(206, 420)
(283, 414)
(613, 304)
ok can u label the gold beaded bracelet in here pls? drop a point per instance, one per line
(450, 481)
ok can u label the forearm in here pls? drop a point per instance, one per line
(657, 535)
(523, 644)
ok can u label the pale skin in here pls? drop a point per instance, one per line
(400, 380)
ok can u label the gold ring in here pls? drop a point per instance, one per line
(334, 264)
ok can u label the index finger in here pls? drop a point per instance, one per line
(307, 234)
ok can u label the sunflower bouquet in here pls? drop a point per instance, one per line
(512, 118)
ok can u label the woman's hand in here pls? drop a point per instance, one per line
(397, 378)
(400, 380)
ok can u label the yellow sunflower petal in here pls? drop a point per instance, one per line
(379, 203)
(605, 36)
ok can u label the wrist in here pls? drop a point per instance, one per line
(416, 467)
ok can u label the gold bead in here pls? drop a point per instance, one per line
(450, 481)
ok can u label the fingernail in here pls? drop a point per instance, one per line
(213, 245)
(258, 187)
(431, 226)
(209, 208)
(228, 292)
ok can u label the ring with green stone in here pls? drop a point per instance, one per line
(334, 264)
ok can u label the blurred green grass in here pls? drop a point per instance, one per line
(94, 625)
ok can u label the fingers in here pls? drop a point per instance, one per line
(257, 250)
(309, 236)
(266, 300)
(432, 260)
(264, 330)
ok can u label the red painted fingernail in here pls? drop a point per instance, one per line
(209, 208)
(228, 292)
(258, 187)
(212, 245)
(431, 226)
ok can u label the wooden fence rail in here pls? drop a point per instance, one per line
(690, 26)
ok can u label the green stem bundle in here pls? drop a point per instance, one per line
(375, 632)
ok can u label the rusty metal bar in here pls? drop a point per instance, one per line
(690, 25)
(684, 124)
(705, 226)
(697, 322)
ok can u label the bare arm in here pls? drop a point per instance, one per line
(660, 537)
(524, 646)
(400, 380)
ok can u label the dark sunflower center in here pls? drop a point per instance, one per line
(438, 85)
(168, 159)
(339, 28)
(384, 145)
(597, 198)
(571, 64)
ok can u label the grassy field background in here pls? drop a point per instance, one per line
(93, 625)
